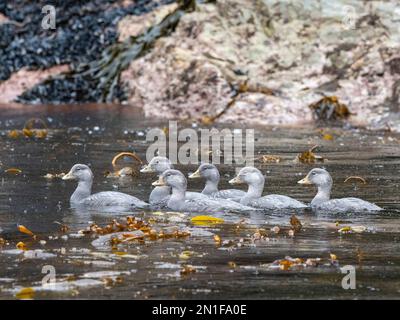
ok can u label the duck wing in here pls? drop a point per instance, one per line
(113, 198)
(276, 201)
(228, 194)
(348, 205)
(195, 195)
(213, 205)
(158, 194)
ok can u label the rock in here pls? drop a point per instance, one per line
(133, 25)
(24, 79)
(83, 30)
(291, 55)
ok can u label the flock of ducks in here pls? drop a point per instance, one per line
(171, 193)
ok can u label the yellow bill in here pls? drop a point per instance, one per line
(68, 176)
(195, 175)
(160, 182)
(304, 181)
(236, 180)
(146, 168)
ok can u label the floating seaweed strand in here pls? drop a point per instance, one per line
(107, 70)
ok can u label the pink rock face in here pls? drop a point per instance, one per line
(24, 79)
(299, 54)
(3, 19)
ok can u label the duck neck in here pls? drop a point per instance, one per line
(211, 187)
(323, 194)
(82, 191)
(159, 193)
(177, 199)
(253, 192)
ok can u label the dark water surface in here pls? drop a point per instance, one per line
(240, 266)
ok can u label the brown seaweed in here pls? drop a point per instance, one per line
(106, 71)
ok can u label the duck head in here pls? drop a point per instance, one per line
(207, 171)
(317, 176)
(248, 175)
(172, 178)
(158, 165)
(80, 172)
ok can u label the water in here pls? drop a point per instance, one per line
(240, 266)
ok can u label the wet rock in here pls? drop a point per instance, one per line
(289, 55)
(83, 30)
(24, 79)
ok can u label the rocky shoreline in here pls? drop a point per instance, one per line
(252, 61)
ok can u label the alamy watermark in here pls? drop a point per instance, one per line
(197, 146)
(349, 280)
(49, 280)
(49, 20)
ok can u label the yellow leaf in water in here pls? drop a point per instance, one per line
(345, 230)
(40, 134)
(25, 294)
(14, 134)
(217, 239)
(120, 253)
(186, 255)
(333, 256)
(327, 137)
(206, 220)
(21, 246)
(187, 269)
(28, 133)
(25, 230)
(13, 171)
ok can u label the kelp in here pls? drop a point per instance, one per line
(238, 89)
(125, 171)
(295, 223)
(30, 131)
(106, 71)
(309, 156)
(15, 171)
(269, 159)
(363, 181)
(329, 108)
(129, 234)
(289, 263)
(206, 220)
(126, 154)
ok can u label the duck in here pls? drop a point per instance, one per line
(178, 200)
(158, 165)
(253, 198)
(82, 196)
(211, 174)
(160, 194)
(322, 201)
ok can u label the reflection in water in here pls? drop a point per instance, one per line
(226, 256)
